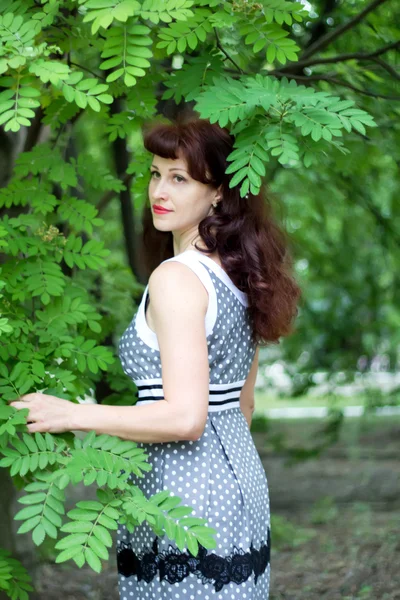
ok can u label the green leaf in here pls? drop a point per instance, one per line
(237, 178)
(82, 515)
(71, 541)
(255, 179)
(358, 126)
(111, 512)
(36, 486)
(170, 528)
(43, 461)
(88, 439)
(32, 498)
(107, 522)
(237, 164)
(111, 63)
(92, 560)
(94, 104)
(52, 516)
(103, 535)
(180, 511)
(28, 512)
(180, 538)
(257, 165)
(192, 544)
(79, 559)
(63, 481)
(77, 527)
(90, 505)
(29, 442)
(90, 478)
(206, 541)
(38, 534)
(244, 188)
(98, 547)
(49, 441)
(24, 468)
(49, 528)
(56, 504)
(34, 462)
(68, 553)
(29, 524)
(271, 53)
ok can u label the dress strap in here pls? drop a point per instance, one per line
(148, 335)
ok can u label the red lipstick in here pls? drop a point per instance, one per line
(160, 210)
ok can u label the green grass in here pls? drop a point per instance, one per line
(352, 431)
(267, 400)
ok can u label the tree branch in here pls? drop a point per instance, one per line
(383, 221)
(63, 127)
(387, 67)
(122, 155)
(384, 49)
(88, 71)
(225, 52)
(333, 35)
(33, 132)
(339, 58)
(110, 194)
(337, 82)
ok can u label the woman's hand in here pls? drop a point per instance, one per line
(46, 413)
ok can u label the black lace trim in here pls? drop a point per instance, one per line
(174, 565)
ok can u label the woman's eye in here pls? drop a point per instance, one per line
(179, 177)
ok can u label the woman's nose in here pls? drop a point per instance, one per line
(159, 190)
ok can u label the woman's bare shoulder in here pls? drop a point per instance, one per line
(173, 283)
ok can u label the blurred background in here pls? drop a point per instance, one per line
(327, 418)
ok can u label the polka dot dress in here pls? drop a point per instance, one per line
(220, 475)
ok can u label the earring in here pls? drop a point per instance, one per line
(215, 204)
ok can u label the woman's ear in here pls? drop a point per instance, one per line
(219, 192)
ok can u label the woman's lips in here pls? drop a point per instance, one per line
(161, 211)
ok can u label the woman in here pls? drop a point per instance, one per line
(220, 286)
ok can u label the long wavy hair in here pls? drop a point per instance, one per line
(252, 248)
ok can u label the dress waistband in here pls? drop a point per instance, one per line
(221, 396)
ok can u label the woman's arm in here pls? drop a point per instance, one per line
(178, 306)
(156, 422)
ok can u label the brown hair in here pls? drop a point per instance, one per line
(252, 248)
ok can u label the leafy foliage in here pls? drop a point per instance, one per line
(316, 114)
(79, 76)
(180, 35)
(104, 461)
(260, 34)
(194, 76)
(157, 11)
(129, 29)
(14, 579)
(127, 45)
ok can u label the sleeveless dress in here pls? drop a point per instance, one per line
(220, 475)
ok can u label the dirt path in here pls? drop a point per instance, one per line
(355, 556)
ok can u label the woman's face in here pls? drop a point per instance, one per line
(172, 188)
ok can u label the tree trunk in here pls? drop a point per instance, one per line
(7, 496)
